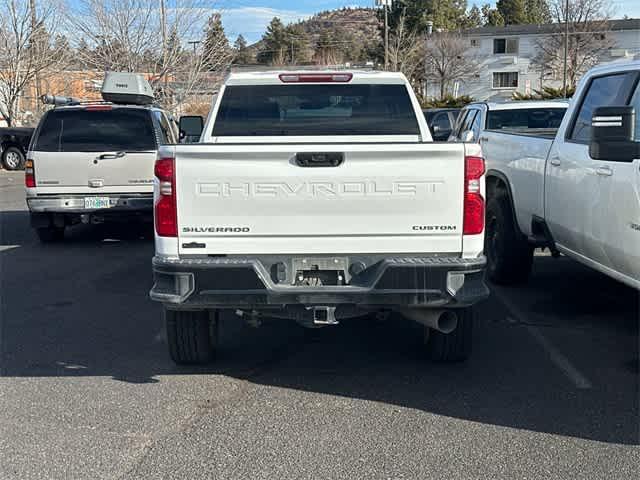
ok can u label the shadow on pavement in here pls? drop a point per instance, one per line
(81, 308)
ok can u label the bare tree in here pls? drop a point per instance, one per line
(405, 49)
(151, 36)
(27, 50)
(447, 60)
(588, 38)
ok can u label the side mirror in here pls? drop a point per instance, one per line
(612, 134)
(467, 136)
(190, 126)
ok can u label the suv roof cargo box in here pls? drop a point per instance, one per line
(129, 88)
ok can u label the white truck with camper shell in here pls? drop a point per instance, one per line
(576, 193)
(92, 162)
(315, 197)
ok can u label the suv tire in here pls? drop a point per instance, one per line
(454, 346)
(13, 158)
(192, 336)
(509, 255)
(50, 234)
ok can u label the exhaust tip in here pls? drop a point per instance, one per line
(447, 322)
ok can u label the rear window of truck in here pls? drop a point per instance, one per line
(310, 110)
(525, 118)
(82, 130)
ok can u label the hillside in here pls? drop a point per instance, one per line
(344, 35)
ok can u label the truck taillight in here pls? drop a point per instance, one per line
(165, 211)
(473, 200)
(29, 174)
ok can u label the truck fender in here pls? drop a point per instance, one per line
(491, 190)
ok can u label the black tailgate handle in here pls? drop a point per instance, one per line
(323, 159)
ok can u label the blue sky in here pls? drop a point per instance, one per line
(250, 17)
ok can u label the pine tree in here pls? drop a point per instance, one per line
(445, 14)
(243, 55)
(473, 18)
(538, 12)
(513, 11)
(299, 51)
(274, 44)
(492, 16)
(215, 40)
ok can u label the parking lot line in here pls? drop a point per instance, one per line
(578, 379)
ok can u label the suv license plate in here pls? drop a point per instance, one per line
(96, 202)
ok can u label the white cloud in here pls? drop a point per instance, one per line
(252, 22)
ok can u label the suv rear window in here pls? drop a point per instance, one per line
(289, 110)
(82, 130)
(525, 118)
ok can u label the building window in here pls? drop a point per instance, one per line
(505, 79)
(505, 45)
(475, 43)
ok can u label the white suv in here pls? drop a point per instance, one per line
(93, 163)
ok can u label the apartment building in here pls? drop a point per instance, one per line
(506, 54)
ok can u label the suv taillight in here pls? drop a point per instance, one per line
(166, 218)
(29, 174)
(473, 200)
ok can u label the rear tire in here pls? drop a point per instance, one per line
(509, 255)
(455, 346)
(192, 336)
(13, 158)
(50, 234)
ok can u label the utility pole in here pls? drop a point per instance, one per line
(195, 44)
(35, 45)
(566, 47)
(385, 4)
(163, 27)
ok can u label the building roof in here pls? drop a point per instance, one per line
(532, 29)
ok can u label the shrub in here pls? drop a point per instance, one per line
(448, 101)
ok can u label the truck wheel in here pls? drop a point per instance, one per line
(509, 255)
(12, 158)
(454, 346)
(192, 336)
(50, 234)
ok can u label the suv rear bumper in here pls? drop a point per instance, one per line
(75, 203)
(245, 282)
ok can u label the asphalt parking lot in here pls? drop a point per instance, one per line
(87, 389)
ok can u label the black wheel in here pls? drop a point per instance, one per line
(509, 255)
(50, 234)
(454, 346)
(12, 158)
(192, 336)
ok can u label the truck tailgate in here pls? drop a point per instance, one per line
(382, 198)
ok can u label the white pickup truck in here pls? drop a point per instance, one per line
(576, 194)
(316, 197)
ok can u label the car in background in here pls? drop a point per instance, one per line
(441, 122)
(14, 143)
(93, 162)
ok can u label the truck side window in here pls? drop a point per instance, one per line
(165, 128)
(468, 121)
(609, 90)
(475, 126)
